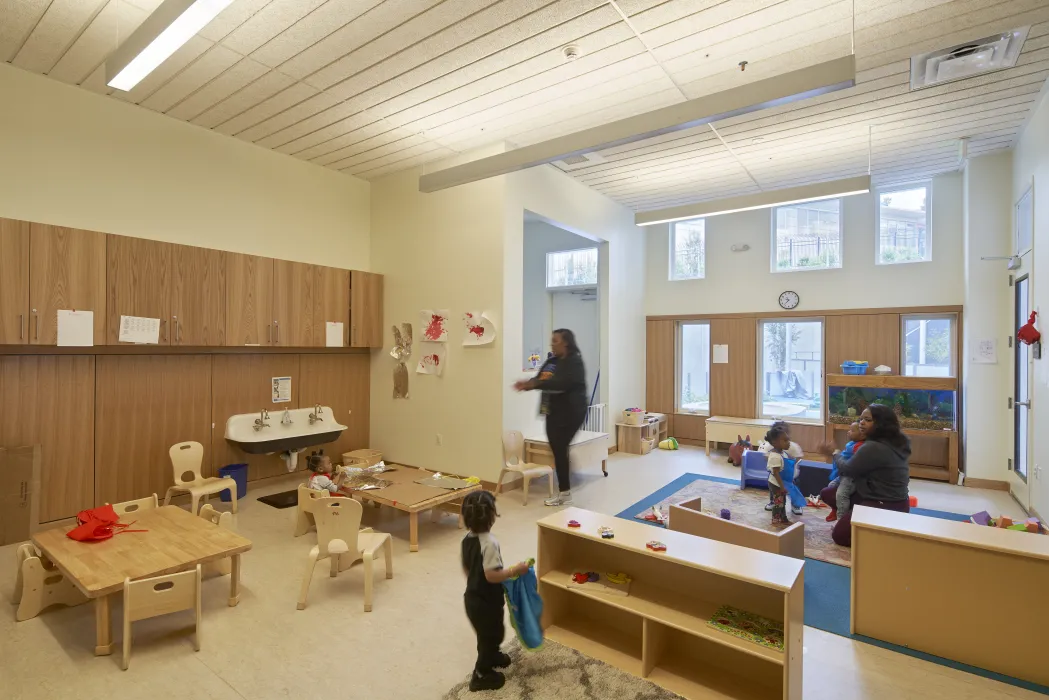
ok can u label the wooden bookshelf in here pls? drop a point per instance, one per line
(948, 473)
(660, 630)
(893, 381)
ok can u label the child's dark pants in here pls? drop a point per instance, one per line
(487, 620)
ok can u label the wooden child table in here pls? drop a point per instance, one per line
(175, 540)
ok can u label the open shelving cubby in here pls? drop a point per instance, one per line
(660, 630)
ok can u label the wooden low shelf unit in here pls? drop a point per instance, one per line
(893, 381)
(660, 630)
(643, 438)
(948, 473)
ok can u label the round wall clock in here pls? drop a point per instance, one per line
(789, 300)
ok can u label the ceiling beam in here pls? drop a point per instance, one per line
(829, 76)
(757, 200)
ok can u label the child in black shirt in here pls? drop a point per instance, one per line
(483, 565)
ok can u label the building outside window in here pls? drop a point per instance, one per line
(571, 268)
(807, 236)
(928, 345)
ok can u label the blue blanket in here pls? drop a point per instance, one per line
(526, 607)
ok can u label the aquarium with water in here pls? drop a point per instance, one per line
(918, 409)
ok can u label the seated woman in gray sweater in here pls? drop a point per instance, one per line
(879, 469)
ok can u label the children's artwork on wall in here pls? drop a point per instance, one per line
(400, 381)
(478, 329)
(402, 342)
(431, 358)
(435, 324)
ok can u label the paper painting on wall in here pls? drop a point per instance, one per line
(400, 381)
(402, 342)
(478, 328)
(431, 358)
(435, 324)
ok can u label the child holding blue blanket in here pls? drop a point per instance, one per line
(781, 475)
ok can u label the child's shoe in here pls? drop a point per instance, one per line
(797, 511)
(769, 506)
(833, 515)
(489, 681)
(504, 660)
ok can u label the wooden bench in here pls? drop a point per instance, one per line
(689, 518)
(727, 428)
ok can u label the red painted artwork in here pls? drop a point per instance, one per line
(435, 325)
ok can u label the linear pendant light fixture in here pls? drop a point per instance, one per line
(829, 76)
(759, 200)
(169, 27)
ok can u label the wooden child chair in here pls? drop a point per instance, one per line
(513, 460)
(308, 498)
(39, 584)
(160, 595)
(222, 519)
(186, 458)
(340, 538)
(139, 504)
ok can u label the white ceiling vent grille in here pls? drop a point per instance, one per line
(984, 55)
(580, 161)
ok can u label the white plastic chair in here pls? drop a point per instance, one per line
(340, 538)
(39, 584)
(186, 458)
(304, 510)
(160, 595)
(513, 460)
(222, 519)
(137, 505)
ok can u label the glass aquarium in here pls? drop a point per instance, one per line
(918, 409)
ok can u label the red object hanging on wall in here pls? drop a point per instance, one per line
(1028, 333)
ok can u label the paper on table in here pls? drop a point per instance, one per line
(281, 389)
(720, 355)
(333, 334)
(76, 328)
(139, 329)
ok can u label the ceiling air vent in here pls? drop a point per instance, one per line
(966, 60)
(577, 162)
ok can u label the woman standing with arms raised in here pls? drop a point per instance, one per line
(564, 395)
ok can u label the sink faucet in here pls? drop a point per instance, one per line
(260, 422)
(318, 412)
(286, 418)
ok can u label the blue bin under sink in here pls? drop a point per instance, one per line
(239, 473)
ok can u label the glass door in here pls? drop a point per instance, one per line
(1021, 395)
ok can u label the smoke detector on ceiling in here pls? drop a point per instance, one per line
(984, 55)
(571, 52)
(579, 161)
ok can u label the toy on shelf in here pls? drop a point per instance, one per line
(634, 416)
(1006, 523)
(574, 523)
(656, 546)
(726, 514)
(606, 532)
(610, 583)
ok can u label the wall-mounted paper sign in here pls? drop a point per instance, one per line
(138, 329)
(76, 328)
(281, 389)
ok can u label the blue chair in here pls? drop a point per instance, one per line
(754, 471)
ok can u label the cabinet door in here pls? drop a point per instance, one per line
(365, 310)
(198, 300)
(292, 304)
(49, 401)
(14, 282)
(331, 295)
(67, 270)
(138, 278)
(249, 308)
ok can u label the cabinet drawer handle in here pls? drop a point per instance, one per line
(178, 331)
(36, 333)
(277, 326)
(269, 334)
(21, 326)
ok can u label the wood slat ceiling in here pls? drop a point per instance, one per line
(370, 87)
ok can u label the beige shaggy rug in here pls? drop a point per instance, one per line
(556, 672)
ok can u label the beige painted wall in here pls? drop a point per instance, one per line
(440, 251)
(73, 158)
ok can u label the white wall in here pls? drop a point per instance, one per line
(541, 238)
(743, 282)
(1031, 162)
(988, 314)
(558, 198)
(73, 158)
(442, 251)
(581, 316)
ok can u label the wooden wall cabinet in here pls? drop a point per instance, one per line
(292, 301)
(138, 279)
(249, 289)
(67, 270)
(198, 297)
(331, 302)
(365, 310)
(14, 282)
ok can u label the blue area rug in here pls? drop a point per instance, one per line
(827, 586)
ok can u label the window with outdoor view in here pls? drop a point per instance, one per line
(693, 370)
(807, 236)
(571, 268)
(688, 250)
(928, 346)
(790, 379)
(903, 225)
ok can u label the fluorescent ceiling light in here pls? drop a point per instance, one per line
(172, 24)
(836, 74)
(759, 200)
